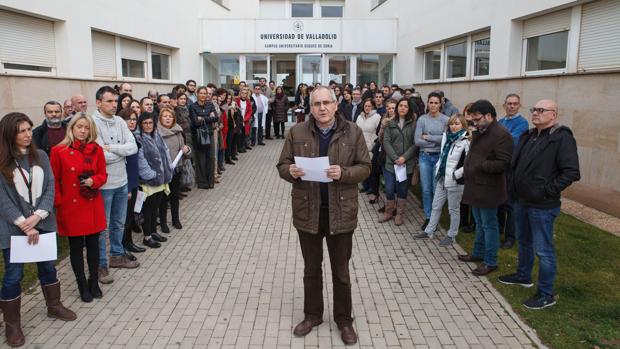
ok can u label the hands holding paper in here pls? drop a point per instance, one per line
(400, 161)
(27, 227)
(333, 172)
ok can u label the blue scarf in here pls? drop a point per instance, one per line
(450, 139)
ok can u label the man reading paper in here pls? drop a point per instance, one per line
(326, 209)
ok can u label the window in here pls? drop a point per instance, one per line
(432, 64)
(339, 69)
(481, 50)
(132, 68)
(160, 66)
(456, 60)
(377, 68)
(546, 52)
(302, 10)
(229, 71)
(331, 11)
(255, 68)
(27, 67)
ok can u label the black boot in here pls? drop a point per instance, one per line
(93, 287)
(128, 243)
(163, 216)
(85, 294)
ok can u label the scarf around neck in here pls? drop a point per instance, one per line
(450, 139)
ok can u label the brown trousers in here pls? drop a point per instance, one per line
(339, 248)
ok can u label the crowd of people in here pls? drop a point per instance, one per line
(100, 178)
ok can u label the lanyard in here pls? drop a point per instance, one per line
(27, 181)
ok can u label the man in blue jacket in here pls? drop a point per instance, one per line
(516, 124)
(544, 164)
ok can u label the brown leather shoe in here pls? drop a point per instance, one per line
(304, 327)
(483, 269)
(469, 258)
(348, 335)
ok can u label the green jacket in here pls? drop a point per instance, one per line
(397, 143)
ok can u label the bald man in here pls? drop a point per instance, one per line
(545, 163)
(79, 104)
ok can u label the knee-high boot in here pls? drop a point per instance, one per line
(55, 308)
(11, 309)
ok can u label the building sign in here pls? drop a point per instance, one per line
(298, 36)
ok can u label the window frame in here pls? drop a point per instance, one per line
(443, 73)
(439, 48)
(133, 78)
(474, 39)
(310, 3)
(169, 62)
(11, 71)
(543, 72)
(321, 5)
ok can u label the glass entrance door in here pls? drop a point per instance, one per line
(309, 68)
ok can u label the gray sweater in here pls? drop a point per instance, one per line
(434, 127)
(115, 133)
(13, 205)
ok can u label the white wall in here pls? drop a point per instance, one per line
(161, 22)
(424, 22)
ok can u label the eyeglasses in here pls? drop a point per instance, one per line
(132, 120)
(318, 104)
(540, 110)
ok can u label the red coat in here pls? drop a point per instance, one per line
(224, 130)
(248, 114)
(75, 214)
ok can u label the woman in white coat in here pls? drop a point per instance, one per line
(369, 121)
(450, 182)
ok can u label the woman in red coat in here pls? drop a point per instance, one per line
(79, 171)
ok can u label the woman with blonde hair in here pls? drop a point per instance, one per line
(79, 171)
(449, 174)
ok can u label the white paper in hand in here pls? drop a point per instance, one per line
(177, 159)
(315, 168)
(401, 172)
(137, 208)
(45, 250)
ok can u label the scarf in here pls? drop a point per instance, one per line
(450, 139)
(89, 152)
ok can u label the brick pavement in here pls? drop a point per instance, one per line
(232, 278)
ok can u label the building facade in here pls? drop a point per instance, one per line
(559, 49)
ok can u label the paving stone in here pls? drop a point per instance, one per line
(233, 278)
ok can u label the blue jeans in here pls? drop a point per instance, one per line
(14, 273)
(393, 188)
(535, 236)
(486, 242)
(115, 202)
(428, 181)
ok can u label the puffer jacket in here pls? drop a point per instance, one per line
(369, 125)
(347, 149)
(454, 162)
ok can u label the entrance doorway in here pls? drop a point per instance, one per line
(310, 69)
(283, 69)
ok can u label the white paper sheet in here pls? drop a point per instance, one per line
(401, 172)
(314, 168)
(177, 159)
(298, 110)
(45, 250)
(137, 208)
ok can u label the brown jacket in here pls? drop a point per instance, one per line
(485, 167)
(347, 149)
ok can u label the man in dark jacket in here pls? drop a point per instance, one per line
(485, 170)
(52, 130)
(545, 163)
(326, 209)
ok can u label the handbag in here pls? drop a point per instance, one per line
(415, 177)
(187, 174)
(204, 135)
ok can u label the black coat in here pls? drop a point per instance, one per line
(542, 169)
(485, 167)
(201, 116)
(346, 109)
(39, 136)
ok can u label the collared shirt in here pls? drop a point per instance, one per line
(327, 129)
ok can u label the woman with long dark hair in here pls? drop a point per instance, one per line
(131, 165)
(280, 112)
(27, 205)
(155, 174)
(79, 171)
(124, 101)
(399, 151)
